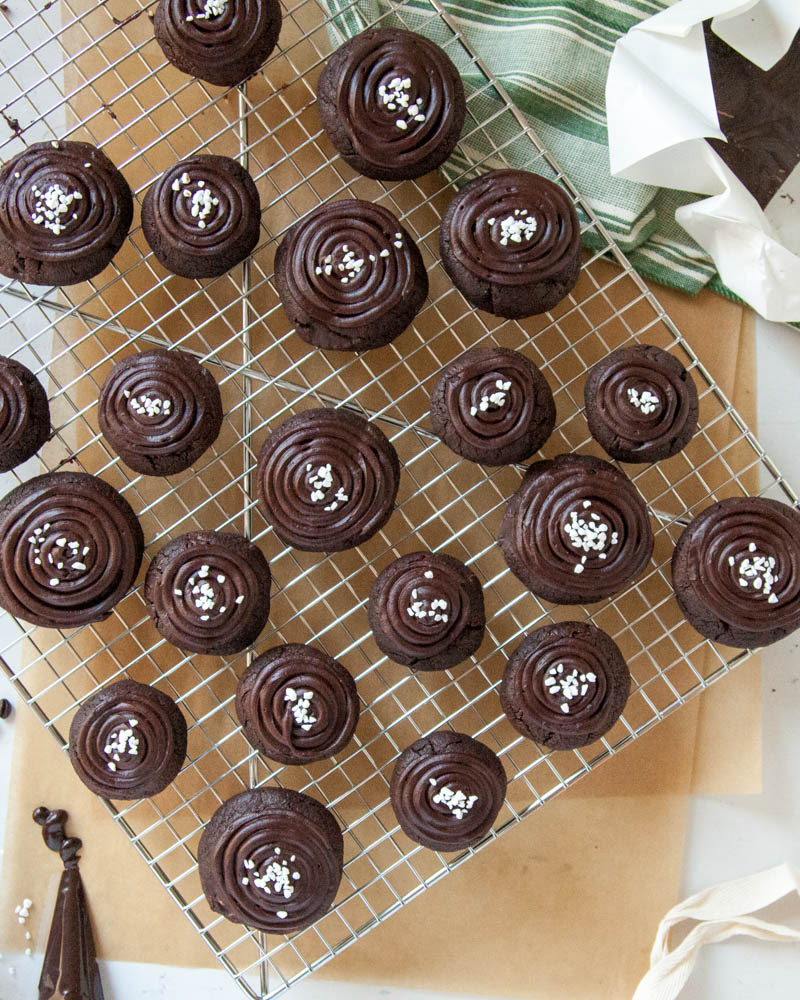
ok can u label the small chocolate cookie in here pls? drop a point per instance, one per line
(350, 277)
(202, 217)
(24, 414)
(220, 41)
(65, 211)
(641, 404)
(208, 592)
(392, 103)
(271, 858)
(493, 406)
(70, 549)
(159, 411)
(426, 611)
(510, 241)
(447, 790)
(576, 531)
(736, 571)
(127, 741)
(327, 480)
(296, 704)
(565, 685)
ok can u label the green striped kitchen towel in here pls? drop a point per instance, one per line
(552, 58)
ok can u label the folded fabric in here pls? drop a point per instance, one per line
(552, 58)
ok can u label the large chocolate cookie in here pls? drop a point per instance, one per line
(272, 859)
(392, 104)
(24, 414)
(70, 549)
(576, 531)
(493, 406)
(159, 410)
(350, 277)
(510, 240)
(426, 611)
(447, 790)
(565, 685)
(736, 571)
(327, 480)
(65, 211)
(127, 741)
(296, 704)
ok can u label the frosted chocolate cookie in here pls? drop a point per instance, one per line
(641, 404)
(24, 414)
(510, 241)
(296, 704)
(447, 790)
(493, 406)
(128, 741)
(271, 858)
(65, 211)
(327, 480)
(159, 410)
(736, 571)
(576, 531)
(565, 685)
(70, 549)
(392, 103)
(350, 277)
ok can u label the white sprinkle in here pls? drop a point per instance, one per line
(282, 914)
(647, 401)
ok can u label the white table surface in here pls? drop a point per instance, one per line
(727, 837)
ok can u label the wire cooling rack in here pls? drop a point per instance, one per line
(93, 71)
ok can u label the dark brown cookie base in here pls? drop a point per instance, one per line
(24, 414)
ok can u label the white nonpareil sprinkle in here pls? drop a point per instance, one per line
(150, 406)
(455, 800)
(426, 609)
(53, 207)
(515, 228)
(492, 400)
(122, 742)
(277, 877)
(211, 9)
(201, 593)
(574, 684)
(395, 96)
(646, 401)
(63, 553)
(202, 199)
(282, 914)
(321, 482)
(756, 572)
(300, 706)
(589, 535)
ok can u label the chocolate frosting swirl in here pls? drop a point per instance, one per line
(426, 611)
(425, 787)
(158, 404)
(272, 859)
(512, 227)
(70, 549)
(128, 741)
(62, 203)
(565, 685)
(327, 480)
(576, 531)
(297, 704)
(350, 264)
(740, 563)
(398, 97)
(208, 592)
(641, 404)
(24, 414)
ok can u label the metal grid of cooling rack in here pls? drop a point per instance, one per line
(78, 70)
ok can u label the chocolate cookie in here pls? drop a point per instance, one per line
(565, 685)
(736, 571)
(70, 549)
(426, 611)
(447, 790)
(296, 704)
(272, 859)
(24, 414)
(208, 592)
(641, 404)
(65, 211)
(392, 104)
(576, 531)
(220, 41)
(202, 217)
(493, 406)
(327, 480)
(159, 411)
(350, 277)
(510, 241)
(127, 741)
